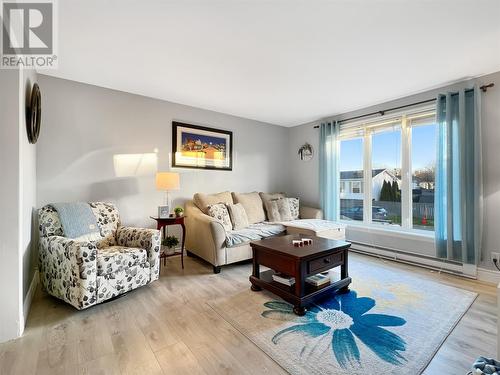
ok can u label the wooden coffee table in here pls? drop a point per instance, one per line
(279, 254)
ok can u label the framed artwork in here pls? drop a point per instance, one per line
(201, 147)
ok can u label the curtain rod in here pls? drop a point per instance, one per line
(484, 88)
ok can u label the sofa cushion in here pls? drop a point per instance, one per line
(267, 198)
(219, 211)
(116, 258)
(316, 227)
(253, 232)
(238, 216)
(202, 201)
(90, 237)
(279, 210)
(294, 207)
(252, 203)
(114, 284)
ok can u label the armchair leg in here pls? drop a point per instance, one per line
(217, 269)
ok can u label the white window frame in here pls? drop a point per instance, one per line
(364, 129)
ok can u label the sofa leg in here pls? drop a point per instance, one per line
(217, 269)
(189, 254)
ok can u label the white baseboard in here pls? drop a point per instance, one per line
(28, 300)
(481, 274)
(409, 258)
(488, 276)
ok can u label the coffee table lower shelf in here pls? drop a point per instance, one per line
(265, 281)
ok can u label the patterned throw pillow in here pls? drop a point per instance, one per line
(238, 216)
(219, 211)
(294, 207)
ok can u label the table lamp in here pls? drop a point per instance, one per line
(166, 181)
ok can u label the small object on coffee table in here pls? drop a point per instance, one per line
(307, 241)
(281, 255)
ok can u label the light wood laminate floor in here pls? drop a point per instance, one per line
(167, 328)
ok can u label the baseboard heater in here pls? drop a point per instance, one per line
(454, 268)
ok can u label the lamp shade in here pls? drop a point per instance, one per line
(167, 181)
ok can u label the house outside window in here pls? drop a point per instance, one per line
(351, 170)
(356, 187)
(396, 157)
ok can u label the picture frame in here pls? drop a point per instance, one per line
(163, 212)
(201, 147)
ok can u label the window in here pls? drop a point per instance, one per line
(351, 177)
(386, 175)
(387, 170)
(423, 166)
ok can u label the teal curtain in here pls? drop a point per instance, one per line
(458, 188)
(329, 169)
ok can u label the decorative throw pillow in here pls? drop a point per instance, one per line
(294, 207)
(253, 206)
(202, 201)
(279, 210)
(238, 216)
(219, 212)
(267, 198)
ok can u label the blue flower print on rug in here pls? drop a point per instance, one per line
(342, 318)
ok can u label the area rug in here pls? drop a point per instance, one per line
(391, 322)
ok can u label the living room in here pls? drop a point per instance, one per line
(186, 187)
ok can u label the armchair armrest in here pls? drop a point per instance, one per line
(310, 213)
(147, 239)
(205, 236)
(69, 270)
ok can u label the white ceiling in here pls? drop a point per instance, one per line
(284, 62)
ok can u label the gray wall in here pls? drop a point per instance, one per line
(84, 126)
(304, 179)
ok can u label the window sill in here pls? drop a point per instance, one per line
(396, 231)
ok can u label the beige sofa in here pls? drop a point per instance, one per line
(206, 236)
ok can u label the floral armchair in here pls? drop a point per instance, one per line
(84, 273)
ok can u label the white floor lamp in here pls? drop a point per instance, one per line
(166, 181)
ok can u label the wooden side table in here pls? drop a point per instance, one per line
(162, 223)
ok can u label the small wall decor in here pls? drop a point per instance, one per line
(306, 152)
(201, 147)
(33, 114)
